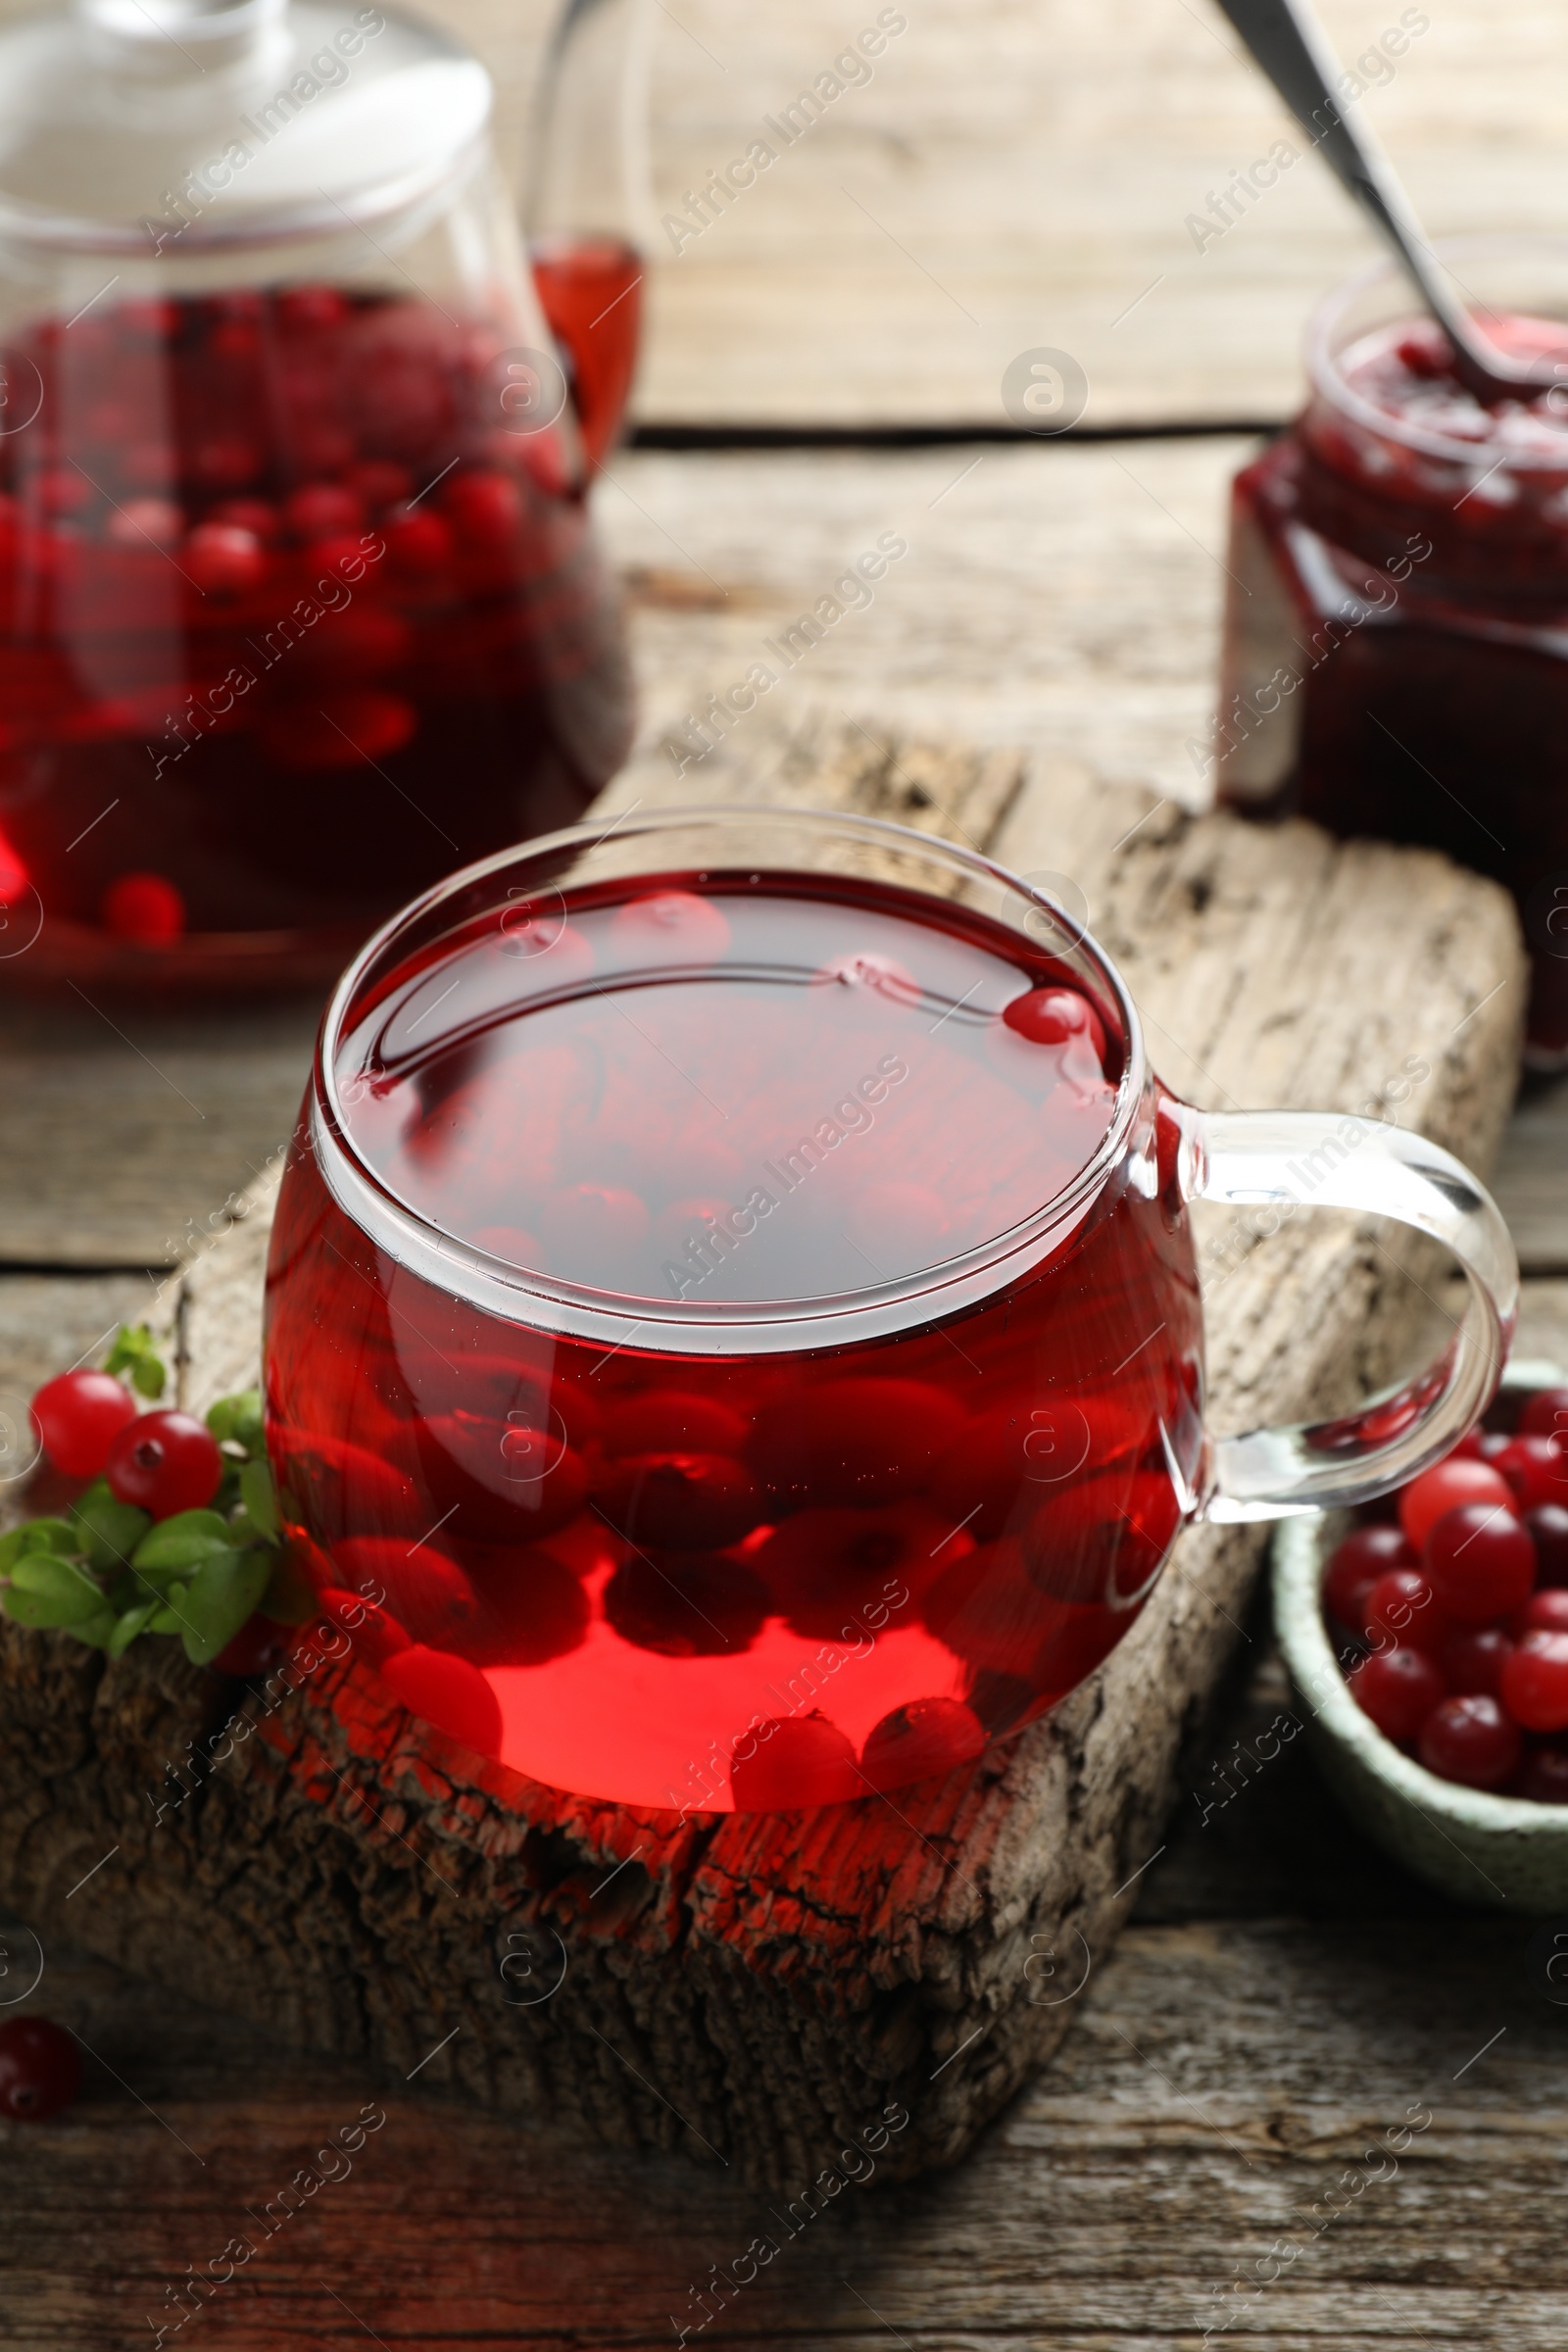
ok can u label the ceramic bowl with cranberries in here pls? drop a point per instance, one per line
(1427, 1635)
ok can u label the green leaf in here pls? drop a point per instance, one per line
(97, 1630)
(108, 1531)
(237, 1421)
(134, 1353)
(37, 1535)
(220, 1597)
(128, 1625)
(183, 1541)
(260, 1497)
(168, 1619)
(45, 1591)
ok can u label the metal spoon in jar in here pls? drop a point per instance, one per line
(1290, 46)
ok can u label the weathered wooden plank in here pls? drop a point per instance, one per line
(1062, 599)
(1019, 175)
(852, 1959)
(128, 1126)
(1222, 2081)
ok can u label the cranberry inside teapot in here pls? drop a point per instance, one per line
(290, 622)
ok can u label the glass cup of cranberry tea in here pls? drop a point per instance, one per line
(1396, 657)
(733, 1336)
(298, 602)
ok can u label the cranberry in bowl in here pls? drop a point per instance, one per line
(1430, 1656)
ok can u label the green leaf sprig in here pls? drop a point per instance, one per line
(134, 1358)
(107, 1574)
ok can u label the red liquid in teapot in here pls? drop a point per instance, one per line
(738, 1578)
(290, 623)
(591, 292)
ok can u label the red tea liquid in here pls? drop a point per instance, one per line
(290, 623)
(736, 1576)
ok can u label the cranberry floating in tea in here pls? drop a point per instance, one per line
(732, 1313)
(298, 602)
(1396, 659)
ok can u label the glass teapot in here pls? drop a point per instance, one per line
(299, 603)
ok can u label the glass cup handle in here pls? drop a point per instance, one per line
(1295, 1159)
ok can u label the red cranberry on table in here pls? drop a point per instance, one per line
(144, 909)
(40, 2068)
(167, 1462)
(78, 1416)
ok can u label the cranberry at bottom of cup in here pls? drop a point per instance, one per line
(370, 1630)
(920, 1740)
(789, 1762)
(449, 1693)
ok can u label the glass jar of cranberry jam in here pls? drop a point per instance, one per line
(1397, 629)
(298, 602)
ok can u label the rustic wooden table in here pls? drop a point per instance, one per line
(1012, 177)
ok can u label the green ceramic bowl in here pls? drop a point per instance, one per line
(1498, 1851)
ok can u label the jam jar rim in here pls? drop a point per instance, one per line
(689, 1327)
(1329, 383)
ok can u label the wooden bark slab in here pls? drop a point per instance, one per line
(760, 1989)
